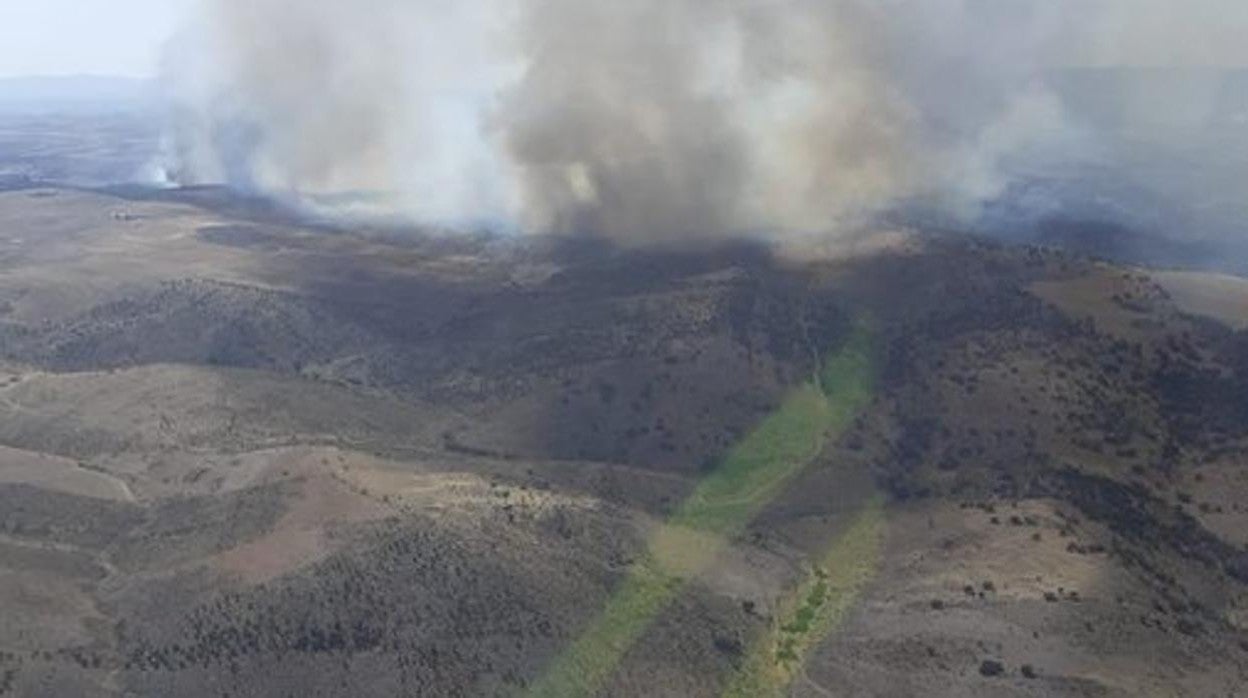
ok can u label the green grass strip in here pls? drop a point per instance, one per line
(814, 610)
(753, 474)
(758, 468)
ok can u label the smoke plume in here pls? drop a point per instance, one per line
(658, 119)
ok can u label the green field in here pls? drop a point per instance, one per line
(750, 476)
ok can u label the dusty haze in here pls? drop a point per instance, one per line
(656, 119)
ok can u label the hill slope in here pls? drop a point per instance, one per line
(244, 457)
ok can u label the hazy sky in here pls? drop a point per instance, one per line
(106, 37)
(124, 37)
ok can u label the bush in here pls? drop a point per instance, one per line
(991, 668)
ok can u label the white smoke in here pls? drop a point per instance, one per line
(651, 119)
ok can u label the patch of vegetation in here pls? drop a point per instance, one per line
(991, 668)
(757, 470)
(751, 476)
(589, 661)
(814, 609)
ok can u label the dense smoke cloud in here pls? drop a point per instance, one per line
(654, 119)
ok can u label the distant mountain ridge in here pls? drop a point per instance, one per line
(60, 91)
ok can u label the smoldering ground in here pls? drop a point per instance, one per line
(665, 119)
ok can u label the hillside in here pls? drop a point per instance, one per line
(241, 455)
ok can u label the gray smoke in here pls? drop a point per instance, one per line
(660, 119)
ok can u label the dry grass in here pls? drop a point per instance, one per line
(59, 475)
(1219, 296)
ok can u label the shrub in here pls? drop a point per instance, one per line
(991, 668)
